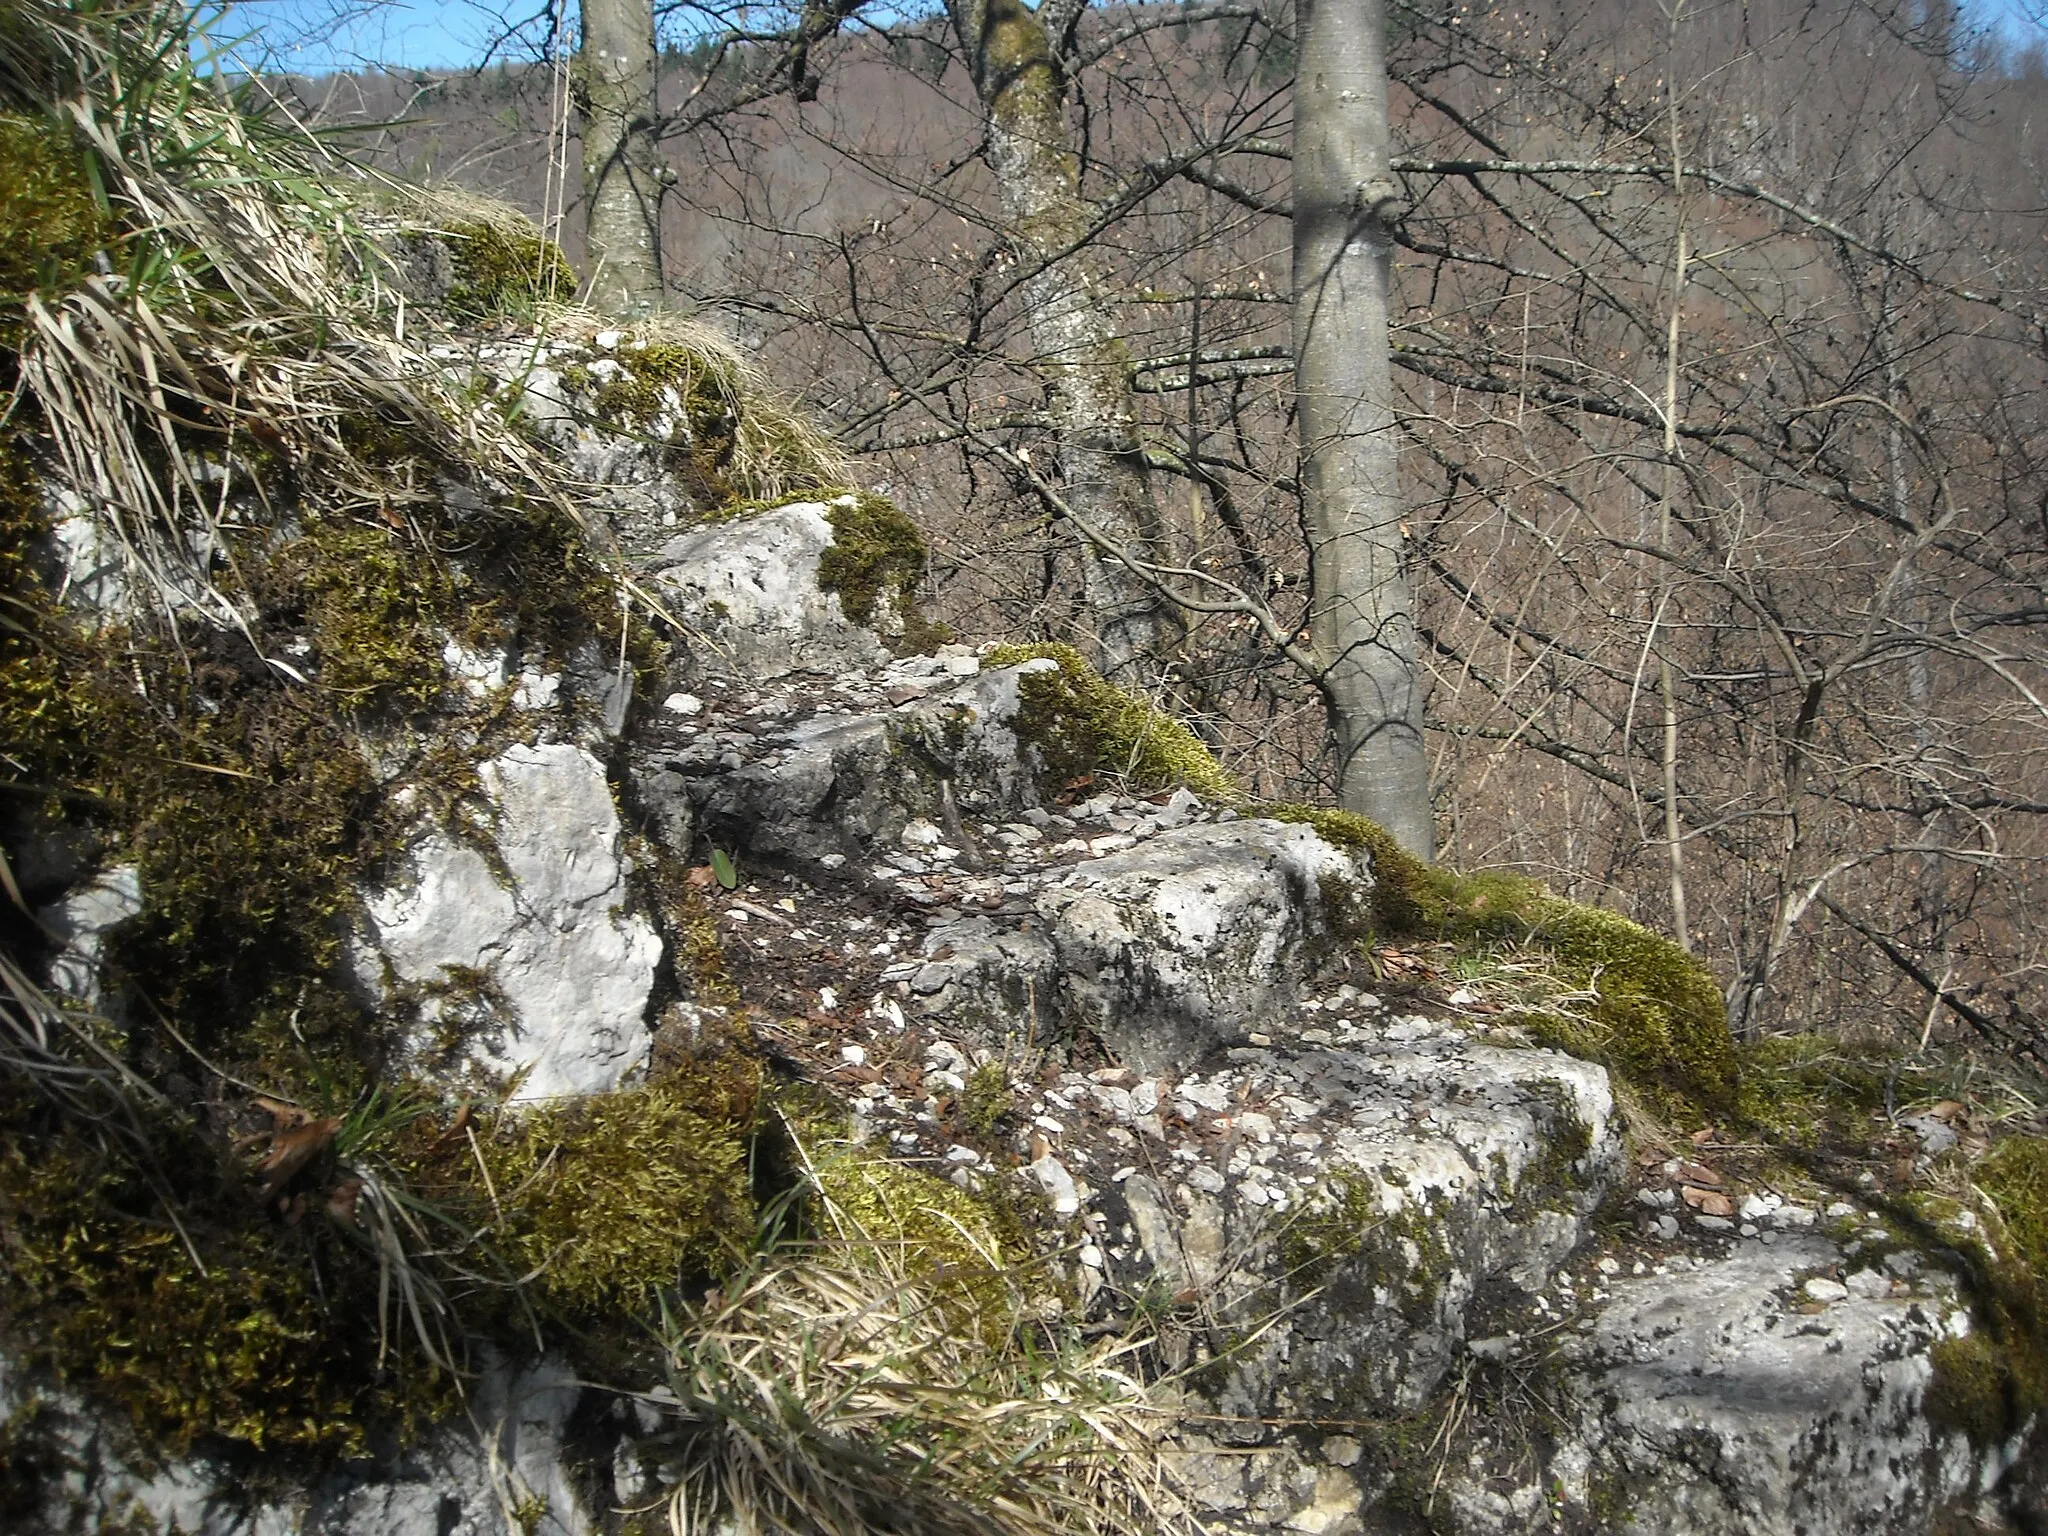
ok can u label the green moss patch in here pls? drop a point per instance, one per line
(1994, 1381)
(913, 1221)
(1810, 1094)
(876, 559)
(375, 608)
(1082, 726)
(986, 1101)
(50, 222)
(226, 1324)
(616, 1198)
(1659, 1021)
(503, 269)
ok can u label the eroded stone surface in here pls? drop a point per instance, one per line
(533, 932)
(837, 783)
(752, 588)
(1197, 936)
(1715, 1396)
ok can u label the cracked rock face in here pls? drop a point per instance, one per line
(836, 784)
(1714, 1395)
(1193, 938)
(752, 588)
(533, 930)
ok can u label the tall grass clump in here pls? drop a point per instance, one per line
(212, 319)
(852, 1387)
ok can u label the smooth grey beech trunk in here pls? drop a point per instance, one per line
(1079, 348)
(1362, 615)
(621, 164)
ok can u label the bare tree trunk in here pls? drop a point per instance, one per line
(1079, 347)
(622, 177)
(1362, 616)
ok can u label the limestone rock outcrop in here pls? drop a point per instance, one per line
(1343, 1207)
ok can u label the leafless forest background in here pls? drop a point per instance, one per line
(1722, 353)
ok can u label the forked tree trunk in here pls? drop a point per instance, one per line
(1362, 615)
(621, 164)
(1080, 350)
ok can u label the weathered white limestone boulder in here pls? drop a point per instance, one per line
(531, 924)
(1381, 1188)
(1729, 1410)
(1189, 940)
(751, 588)
(1196, 936)
(1742, 1392)
(829, 790)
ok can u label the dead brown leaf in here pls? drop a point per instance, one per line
(1698, 1173)
(296, 1139)
(1706, 1201)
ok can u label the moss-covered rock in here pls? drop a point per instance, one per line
(1404, 896)
(1993, 1382)
(376, 611)
(1082, 726)
(876, 559)
(1658, 1017)
(504, 269)
(735, 445)
(51, 224)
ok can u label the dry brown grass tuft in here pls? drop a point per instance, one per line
(833, 1391)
